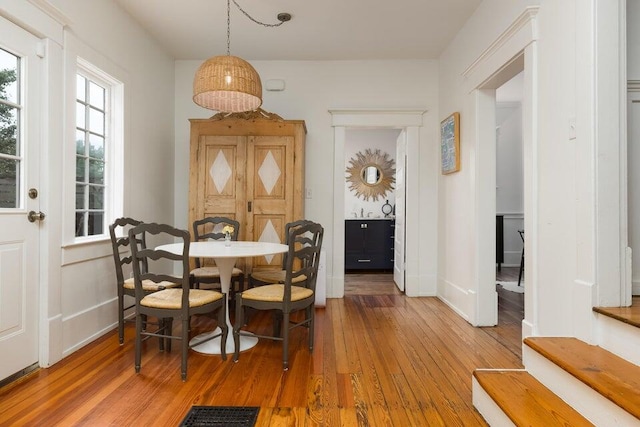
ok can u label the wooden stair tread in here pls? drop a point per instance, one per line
(629, 315)
(613, 377)
(526, 401)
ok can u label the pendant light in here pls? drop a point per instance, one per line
(228, 83)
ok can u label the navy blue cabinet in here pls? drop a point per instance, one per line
(368, 244)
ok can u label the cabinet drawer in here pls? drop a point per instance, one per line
(366, 262)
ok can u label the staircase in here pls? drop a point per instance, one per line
(568, 382)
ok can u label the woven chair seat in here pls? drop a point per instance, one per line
(275, 292)
(150, 285)
(275, 276)
(172, 298)
(208, 272)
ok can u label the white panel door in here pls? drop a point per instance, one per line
(20, 89)
(399, 233)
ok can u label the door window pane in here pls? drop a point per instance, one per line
(8, 130)
(9, 64)
(8, 183)
(11, 161)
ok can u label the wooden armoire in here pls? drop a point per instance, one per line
(250, 167)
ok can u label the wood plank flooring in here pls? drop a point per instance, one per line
(379, 359)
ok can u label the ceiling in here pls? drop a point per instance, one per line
(318, 30)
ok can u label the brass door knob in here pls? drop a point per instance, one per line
(34, 216)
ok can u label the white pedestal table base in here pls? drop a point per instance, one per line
(213, 346)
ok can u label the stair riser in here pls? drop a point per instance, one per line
(592, 405)
(619, 338)
(487, 407)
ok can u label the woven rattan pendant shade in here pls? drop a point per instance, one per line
(228, 84)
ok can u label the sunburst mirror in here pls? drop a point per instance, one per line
(371, 174)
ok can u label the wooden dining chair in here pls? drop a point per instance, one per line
(119, 232)
(265, 277)
(295, 294)
(210, 228)
(168, 304)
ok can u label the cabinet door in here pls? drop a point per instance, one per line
(221, 178)
(353, 237)
(270, 188)
(376, 238)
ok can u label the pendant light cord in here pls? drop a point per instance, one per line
(228, 28)
(255, 20)
(282, 18)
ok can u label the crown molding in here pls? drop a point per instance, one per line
(519, 24)
(52, 11)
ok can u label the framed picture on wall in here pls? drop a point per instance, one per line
(450, 143)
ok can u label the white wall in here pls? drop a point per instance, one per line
(564, 209)
(458, 199)
(312, 89)
(359, 140)
(78, 287)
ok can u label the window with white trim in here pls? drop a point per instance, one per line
(98, 139)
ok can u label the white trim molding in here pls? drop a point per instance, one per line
(523, 25)
(52, 11)
(410, 119)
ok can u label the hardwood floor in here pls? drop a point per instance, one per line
(380, 358)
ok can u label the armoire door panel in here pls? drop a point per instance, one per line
(270, 161)
(269, 172)
(222, 166)
(221, 170)
(268, 228)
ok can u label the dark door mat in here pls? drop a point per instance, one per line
(221, 416)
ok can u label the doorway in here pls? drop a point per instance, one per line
(410, 121)
(371, 165)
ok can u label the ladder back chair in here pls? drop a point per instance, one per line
(179, 303)
(295, 294)
(265, 277)
(119, 232)
(211, 228)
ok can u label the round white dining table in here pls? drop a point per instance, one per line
(225, 255)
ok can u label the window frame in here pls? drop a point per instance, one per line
(113, 155)
(21, 110)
